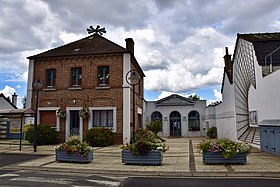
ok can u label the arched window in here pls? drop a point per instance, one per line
(194, 122)
(156, 116)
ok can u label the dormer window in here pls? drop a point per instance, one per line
(103, 75)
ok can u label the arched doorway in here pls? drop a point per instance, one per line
(175, 123)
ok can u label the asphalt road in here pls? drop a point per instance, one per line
(199, 182)
(27, 178)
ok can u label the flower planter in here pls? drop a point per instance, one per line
(218, 158)
(62, 156)
(154, 157)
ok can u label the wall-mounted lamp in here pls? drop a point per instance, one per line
(165, 119)
(184, 118)
(74, 101)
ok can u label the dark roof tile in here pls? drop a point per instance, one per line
(264, 44)
(93, 44)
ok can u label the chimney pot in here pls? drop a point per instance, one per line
(130, 45)
(228, 65)
(226, 50)
(14, 99)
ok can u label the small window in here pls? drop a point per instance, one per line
(76, 76)
(103, 75)
(50, 77)
(102, 118)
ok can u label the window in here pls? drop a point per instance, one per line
(253, 117)
(103, 75)
(50, 77)
(194, 124)
(76, 76)
(103, 118)
(156, 116)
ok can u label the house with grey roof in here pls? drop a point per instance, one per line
(250, 91)
(179, 116)
(6, 103)
(90, 74)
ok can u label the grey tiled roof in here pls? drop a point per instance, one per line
(93, 44)
(264, 44)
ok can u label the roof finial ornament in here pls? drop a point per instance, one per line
(96, 30)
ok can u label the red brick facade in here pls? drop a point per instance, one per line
(89, 93)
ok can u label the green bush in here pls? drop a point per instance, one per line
(145, 140)
(100, 137)
(212, 132)
(45, 135)
(154, 126)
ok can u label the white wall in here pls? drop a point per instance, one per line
(265, 98)
(210, 117)
(29, 83)
(4, 104)
(184, 111)
(225, 115)
(126, 100)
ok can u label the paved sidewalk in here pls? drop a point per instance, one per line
(181, 160)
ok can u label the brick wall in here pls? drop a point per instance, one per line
(89, 95)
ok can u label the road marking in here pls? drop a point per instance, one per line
(9, 175)
(40, 179)
(107, 183)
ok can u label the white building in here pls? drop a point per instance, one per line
(5, 103)
(180, 116)
(250, 87)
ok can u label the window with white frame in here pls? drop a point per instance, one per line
(50, 77)
(76, 76)
(103, 75)
(102, 118)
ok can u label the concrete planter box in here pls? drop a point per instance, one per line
(218, 158)
(62, 156)
(154, 157)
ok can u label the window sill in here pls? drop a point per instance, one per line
(49, 89)
(102, 87)
(75, 88)
(111, 128)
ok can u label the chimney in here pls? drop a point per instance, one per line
(14, 99)
(130, 45)
(228, 65)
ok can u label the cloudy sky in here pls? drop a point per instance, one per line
(178, 43)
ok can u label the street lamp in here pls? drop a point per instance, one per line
(37, 86)
(133, 78)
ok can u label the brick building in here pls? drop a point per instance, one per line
(89, 73)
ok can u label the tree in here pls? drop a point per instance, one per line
(215, 103)
(194, 97)
(23, 101)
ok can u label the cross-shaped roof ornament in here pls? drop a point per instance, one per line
(96, 30)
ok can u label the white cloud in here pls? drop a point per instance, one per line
(8, 91)
(70, 37)
(18, 77)
(217, 95)
(179, 44)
